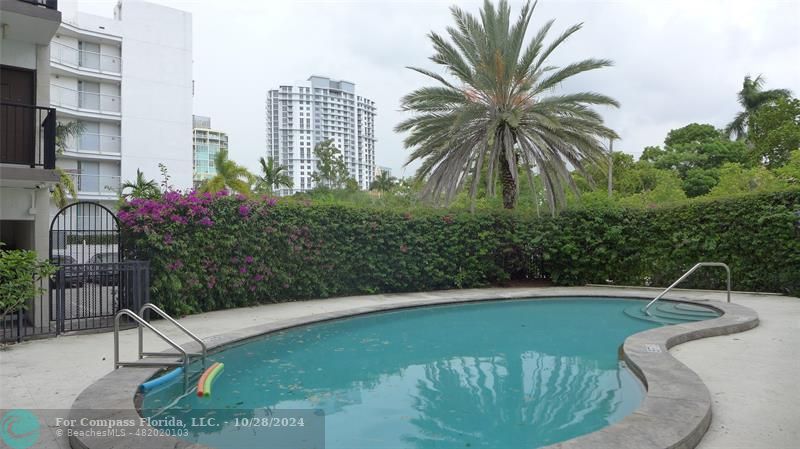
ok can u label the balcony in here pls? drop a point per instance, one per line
(49, 4)
(30, 21)
(96, 185)
(27, 135)
(85, 60)
(95, 143)
(85, 101)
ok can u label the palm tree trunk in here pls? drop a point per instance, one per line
(507, 181)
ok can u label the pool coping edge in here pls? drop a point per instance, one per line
(670, 384)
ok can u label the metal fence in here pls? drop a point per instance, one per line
(81, 297)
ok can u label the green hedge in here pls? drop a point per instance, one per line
(219, 252)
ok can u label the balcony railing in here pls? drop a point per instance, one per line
(27, 135)
(91, 184)
(95, 143)
(85, 101)
(84, 59)
(49, 4)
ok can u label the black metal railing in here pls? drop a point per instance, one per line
(82, 297)
(49, 4)
(27, 135)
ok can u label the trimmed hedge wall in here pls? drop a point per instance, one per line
(214, 252)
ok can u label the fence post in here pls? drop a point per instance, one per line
(19, 326)
(146, 283)
(60, 300)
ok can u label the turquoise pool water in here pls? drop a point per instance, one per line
(500, 374)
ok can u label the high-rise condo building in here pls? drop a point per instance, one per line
(300, 116)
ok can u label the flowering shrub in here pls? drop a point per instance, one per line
(218, 251)
(211, 252)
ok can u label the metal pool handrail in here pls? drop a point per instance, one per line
(162, 314)
(141, 322)
(686, 275)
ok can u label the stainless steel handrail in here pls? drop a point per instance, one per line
(141, 322)
(162, 314)
(686, 275)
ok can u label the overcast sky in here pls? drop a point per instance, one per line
(676, 62)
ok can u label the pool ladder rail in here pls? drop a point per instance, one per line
(150, 359)
(686, 275)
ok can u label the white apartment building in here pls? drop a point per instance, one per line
(128, 80)
(27, 123)
(300, 116)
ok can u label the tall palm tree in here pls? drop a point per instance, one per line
(751, 97)
(383, 182)
(230, 176)
(499, 110)
(273, 176)
(140, 188)
(65, 188)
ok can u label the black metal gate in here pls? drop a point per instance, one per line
(93, 281)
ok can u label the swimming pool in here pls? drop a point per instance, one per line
(491, 374)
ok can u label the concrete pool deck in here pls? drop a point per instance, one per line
(754, 404)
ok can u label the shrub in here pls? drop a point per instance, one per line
(211, 252)
(20, 272)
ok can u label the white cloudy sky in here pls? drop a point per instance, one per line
(676, 62)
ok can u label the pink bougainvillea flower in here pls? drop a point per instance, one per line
(177, 265)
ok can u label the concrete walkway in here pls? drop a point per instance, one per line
(752, 376)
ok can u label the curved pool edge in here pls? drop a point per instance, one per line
(675, 413)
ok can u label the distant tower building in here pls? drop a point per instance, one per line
(207, 143)
(298, 117)
(379, 170)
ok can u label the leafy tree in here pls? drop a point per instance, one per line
(351, 185)
(695, 152)
(65, 188)
(273, 176)
(691, 133)
(598, 171)
(699, 181)
(140, 188)
(736, 179)
(230, 176)
(751, 97)
(774, 131)
(383, 182)
(331, 171)
(666, 188)
(790, 172)
(497, 112)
